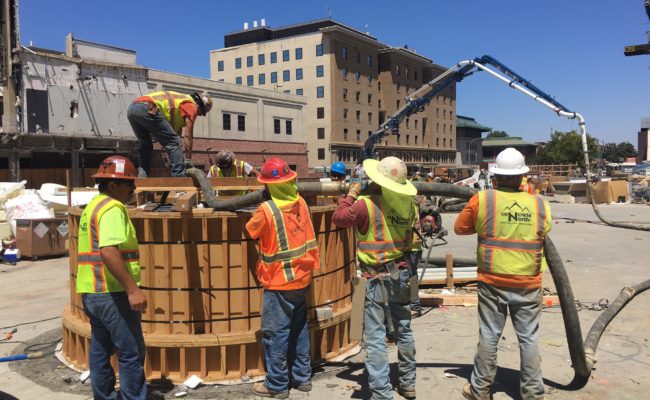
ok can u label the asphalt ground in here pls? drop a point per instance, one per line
(600, 261)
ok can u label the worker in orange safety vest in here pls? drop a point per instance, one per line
(288, 253)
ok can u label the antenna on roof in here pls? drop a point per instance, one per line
(329, 12)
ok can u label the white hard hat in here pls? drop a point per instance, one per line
(390, 173)
(430, 174)
(510, 162)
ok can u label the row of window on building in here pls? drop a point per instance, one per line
(286, 76)
(407, 156)
(273, 58)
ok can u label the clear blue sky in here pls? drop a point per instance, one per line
(571, 49)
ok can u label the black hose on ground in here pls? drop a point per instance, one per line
(611, 223)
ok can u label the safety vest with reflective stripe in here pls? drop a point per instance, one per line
(92, 274)
(388, 235)
(289, 252)
(236, 172)
(169, 103)
(511, 228)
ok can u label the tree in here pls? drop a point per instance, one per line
(497, 134)
(565, 148)
(617, 152)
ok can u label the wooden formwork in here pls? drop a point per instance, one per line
(204, 301)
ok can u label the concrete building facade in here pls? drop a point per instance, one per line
(643, 144)
(352, 83)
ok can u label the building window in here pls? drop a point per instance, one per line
(274, 77)
(274, 57)
(219, 65)
(357, 76)
(320, 112)
(299, 53)
(287, 125)
(345, 114)
(369, 60)
(238, 80)
(237, 63)
(249, 61)
(416, 124)
(397, 70)
(345, 134)
(369, 133)
(320, 71)
(344, 72)
(320, 92)
(226, 122)
(358, 113)
(416, 140)
(261, 79)
(358, 134)
(406, 71)
(437, 141)
(451, 142)
(260, 59)
(379, 86)
(298, 74)
(241, 123)
(444, 114)
(369, 98)
(321, 153)
(415, 74)
(379, 103)
(321, 133)
(444, 142)
(444, 128)
(249, 80)
(276, 126)
(369, 117)
(299, 92)
(285, 55)
(437, 127)
(408, 139)
(357, 96)
(357, 57)
(345, 93)
(286, 75)
(407, 122)
(398, 103)
(319, 50)
(344, 52)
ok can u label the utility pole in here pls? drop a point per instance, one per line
(9, 45)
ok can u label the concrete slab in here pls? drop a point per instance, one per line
(600, 260)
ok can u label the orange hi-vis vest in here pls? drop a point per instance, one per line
(511, 228)
(236, 171)
(289, 251)
(169, 104)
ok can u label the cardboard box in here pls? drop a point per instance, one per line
(610, 192)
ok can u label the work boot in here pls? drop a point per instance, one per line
(408, 392)
(468, 393)
(260, 389)
(415, 313)
(303, 387)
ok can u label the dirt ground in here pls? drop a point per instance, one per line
(600, 260)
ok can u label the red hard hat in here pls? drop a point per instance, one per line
(276, 170)
(116, 167)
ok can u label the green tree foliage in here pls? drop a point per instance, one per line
(565, 148)
(616, 152)
(497, 134)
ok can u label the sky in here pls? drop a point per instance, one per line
(573, 50)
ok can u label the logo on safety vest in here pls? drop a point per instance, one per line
(397, 220)
(516, 214)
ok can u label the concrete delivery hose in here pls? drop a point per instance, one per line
(583, 353)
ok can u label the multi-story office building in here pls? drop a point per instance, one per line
(352, 83)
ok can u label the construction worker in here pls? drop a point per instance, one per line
(108, 276)
(429, 177)
(511, 227)
(416, 177)
(228, 166)
(383, 227)
(288, 255)
(338, 172)
(161, 116)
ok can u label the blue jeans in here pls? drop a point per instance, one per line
(525, 311)
(114, 325)
(285, 338)
(145, 126)
(374, 334)
(413, 259)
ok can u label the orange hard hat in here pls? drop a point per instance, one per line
(276, 170)
(116, 167)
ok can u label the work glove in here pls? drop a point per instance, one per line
(356, 186)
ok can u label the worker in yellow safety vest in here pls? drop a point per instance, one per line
(511, 226)
(164, 117)
(227, 166)
(384, 232)
(108, 278)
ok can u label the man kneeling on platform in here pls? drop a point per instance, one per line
(288, 252)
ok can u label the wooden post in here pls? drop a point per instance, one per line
(449, 264)
(68, 189)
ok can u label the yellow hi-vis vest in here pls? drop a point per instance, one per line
(511, 228)
(169, 103)
(236, 171)
(92, 274)
(388, 236)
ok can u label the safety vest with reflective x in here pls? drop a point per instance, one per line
(511, 228)
(92, 274)
(389, 235)
(169, 103)
(236, 171)
(291, 251)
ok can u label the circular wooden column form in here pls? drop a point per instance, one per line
(204, 301)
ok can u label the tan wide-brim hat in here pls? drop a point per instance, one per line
(375, 172)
